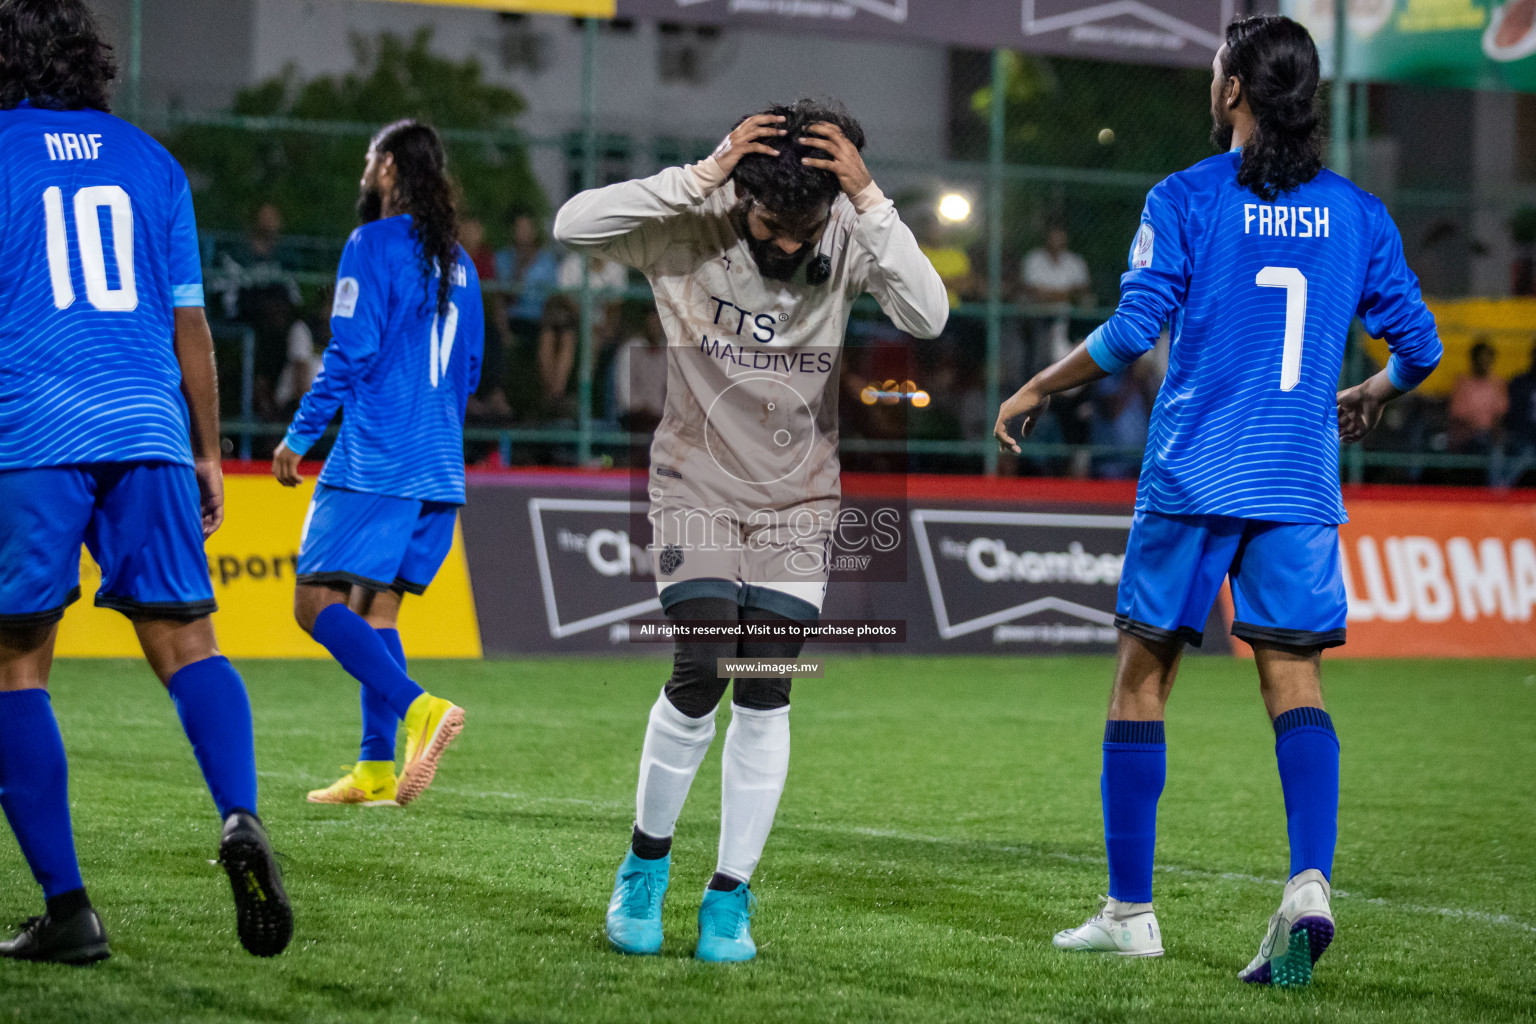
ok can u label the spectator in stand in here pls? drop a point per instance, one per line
(489, 402)
(1478, 404)
(257, 285)
(949, 258)
(529, 270)
(608, 279)
(1055, 279)
(1520, 426)
(303, 363)
(1122, 411)
(1054, 276)
(262, 261)
(640, 378)
(559, 336)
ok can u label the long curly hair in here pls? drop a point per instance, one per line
(1275, 61)
(783, 184)
(424, 190)
(52, 54)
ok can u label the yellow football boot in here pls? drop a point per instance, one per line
(369, 783)
(431, 723)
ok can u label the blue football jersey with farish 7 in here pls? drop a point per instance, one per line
(1258, 298)
(400, 372)
(97, 247)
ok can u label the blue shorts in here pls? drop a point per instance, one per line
(374, 541)
(1287, 586)
(141, 521)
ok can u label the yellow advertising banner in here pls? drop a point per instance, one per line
(575, 8)
(252, 561)
(1509, 325)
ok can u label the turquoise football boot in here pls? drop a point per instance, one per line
(724, 935)
(634, 912)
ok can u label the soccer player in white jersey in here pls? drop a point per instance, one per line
(755, 255)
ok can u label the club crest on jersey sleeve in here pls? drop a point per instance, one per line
(1141, 248)
(346, 297)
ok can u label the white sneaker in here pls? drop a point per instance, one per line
(1120, 928)
(1298, 933)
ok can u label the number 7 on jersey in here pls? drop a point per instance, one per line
(1295, 284)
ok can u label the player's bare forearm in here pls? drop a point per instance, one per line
(199, 379)
(1360, 406)
(1073, 370)
(200, 386)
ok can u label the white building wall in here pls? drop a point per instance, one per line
(897, 91)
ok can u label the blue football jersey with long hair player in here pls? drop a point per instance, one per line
(400, 371)
(1259, 297)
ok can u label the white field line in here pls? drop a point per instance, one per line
(1175, 869)
(1456, 913)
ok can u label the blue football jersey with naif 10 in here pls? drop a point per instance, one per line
(1258, 297)
(98, 246)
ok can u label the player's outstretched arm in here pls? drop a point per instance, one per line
(1072, 370)
(200, 386)
(607, 221)
(896, 273)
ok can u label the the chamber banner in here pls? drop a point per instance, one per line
(560, 565)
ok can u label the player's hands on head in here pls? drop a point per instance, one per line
(843, 158)
(285, 466)
(1027, 403)
(751, 136)
(210, 489)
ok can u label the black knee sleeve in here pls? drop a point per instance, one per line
(761, 694)
(764, 694)
(695, 687)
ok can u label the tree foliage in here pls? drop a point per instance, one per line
(1057, 107)
(312, 175)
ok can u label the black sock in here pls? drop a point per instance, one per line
(649, 847)
(67, 904)
(724, 883)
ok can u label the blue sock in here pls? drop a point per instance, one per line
(1307, 750)
(364, 654)
(34, 789)
(1135, 765)
(216, 716)
(379, 721)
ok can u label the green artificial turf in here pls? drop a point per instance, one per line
(941, 822)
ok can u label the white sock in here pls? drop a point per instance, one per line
(754, 766)
(674, 746)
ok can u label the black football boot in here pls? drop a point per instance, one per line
(76, 938)
(263, 916)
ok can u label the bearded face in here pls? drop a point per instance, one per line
(370, 204)
(779, 244)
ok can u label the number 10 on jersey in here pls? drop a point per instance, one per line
(93, 259)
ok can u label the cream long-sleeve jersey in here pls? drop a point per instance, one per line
(753, 363)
